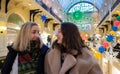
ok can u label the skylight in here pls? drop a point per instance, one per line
(83, 7)
(66, 4)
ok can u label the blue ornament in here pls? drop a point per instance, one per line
(109, 38)
(43, 17)
(114, 28)
(101, 49)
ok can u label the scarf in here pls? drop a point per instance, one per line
(27, 59)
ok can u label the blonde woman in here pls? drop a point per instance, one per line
(27, 53)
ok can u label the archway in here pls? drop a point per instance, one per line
(14, 23)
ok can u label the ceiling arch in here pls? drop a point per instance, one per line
(66, 4)
(15, 18)
(84, 6)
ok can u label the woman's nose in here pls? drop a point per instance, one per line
(36, 35)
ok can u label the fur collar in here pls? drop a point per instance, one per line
(55, 62)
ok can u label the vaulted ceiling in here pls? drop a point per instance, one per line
(85, 13)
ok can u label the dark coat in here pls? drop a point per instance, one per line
(7, 67)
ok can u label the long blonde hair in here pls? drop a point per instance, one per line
(23, 38)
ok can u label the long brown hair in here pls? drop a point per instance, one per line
(71, 37)
(23, 38)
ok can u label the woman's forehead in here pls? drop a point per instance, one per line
(35, 27)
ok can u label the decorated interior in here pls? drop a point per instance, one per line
(98, 22)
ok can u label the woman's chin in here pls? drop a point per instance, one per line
(59, 42)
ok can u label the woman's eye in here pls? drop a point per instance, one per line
(33, 32)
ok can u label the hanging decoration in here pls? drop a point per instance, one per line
(114, 28)
(116, 23)
(97, 55)
(113, 33)
(105, 44)
(77, 15)
(43, 18)
(101, 49)
(109, 38)
(118, 18)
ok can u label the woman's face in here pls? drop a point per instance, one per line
(59, 35)
(34, 32)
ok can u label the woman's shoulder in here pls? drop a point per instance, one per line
(44, 49)
(10, 48)
(87, 55)
(53, 52)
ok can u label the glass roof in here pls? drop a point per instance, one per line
(84, 13)
(67, 4)
(83, 7)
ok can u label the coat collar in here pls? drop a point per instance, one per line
(55, 62)
(69, 62)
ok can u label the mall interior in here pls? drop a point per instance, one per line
(98, 22)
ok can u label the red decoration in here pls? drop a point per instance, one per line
(116, 23)
(105, 44)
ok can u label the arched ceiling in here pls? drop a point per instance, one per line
(62, 7)
(67, 4)
(84, 13)
(93, 15)
(28, 5)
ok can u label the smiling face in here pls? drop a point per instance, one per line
(59, 35)
(34, 34)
